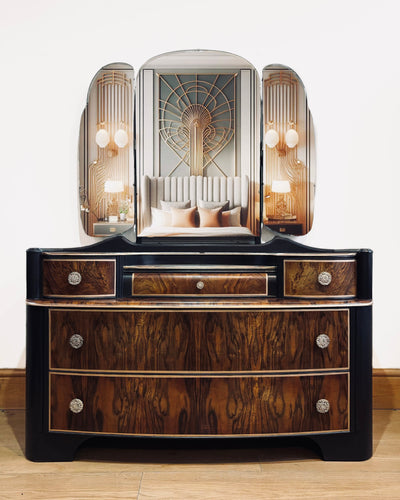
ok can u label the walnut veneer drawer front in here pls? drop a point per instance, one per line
(271, 341)
(78, 278)
(199, 406)
(212, 341)
(320, 278)
(121, 340)
(199, 284)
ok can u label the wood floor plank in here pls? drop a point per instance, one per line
(234, 474)
(280, 484)
(70, 486)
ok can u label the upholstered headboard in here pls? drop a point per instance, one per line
(194, 188)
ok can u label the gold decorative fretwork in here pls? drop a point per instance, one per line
(113, 112)
(281, 93)
(197, 117)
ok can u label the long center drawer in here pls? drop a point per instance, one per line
(199, 406)
(215, 341)
(200, 284)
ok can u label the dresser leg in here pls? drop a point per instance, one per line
(344, 447)
(52, 447)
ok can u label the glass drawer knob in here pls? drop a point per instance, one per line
(200, 285)
(76, 341)
(322, 341)
(324, 278)
(74, 278)
(322, 406)
(76, 405)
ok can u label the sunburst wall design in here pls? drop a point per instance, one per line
(197, 118)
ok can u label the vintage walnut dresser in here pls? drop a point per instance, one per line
(197, 324)
(267, 340)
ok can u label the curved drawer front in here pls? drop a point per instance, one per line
(78, 278)
(272, 341)
(199, 340)
(199, 406)
(122, 340)
(200, 284)
(320, 278)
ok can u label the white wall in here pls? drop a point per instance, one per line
(346, 53)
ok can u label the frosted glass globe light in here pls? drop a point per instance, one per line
(280, 187)
(271, 138)
(291, 138)
(113, 186)
(121, 138)
(102, 138)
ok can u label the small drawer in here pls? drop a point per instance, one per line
(78, 278)
(210, 406)
(320, 278)
(107, 228)
(207, 284)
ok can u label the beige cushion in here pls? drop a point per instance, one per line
(210, 217)
(231, 218)
(214, 204)
(167, 205)
(183, 217)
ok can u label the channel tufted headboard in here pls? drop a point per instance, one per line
(194, 188)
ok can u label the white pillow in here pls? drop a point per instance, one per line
(214, 204)
(160, 218)
(167, 205)
(231, 218)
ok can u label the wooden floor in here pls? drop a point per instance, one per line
(251, 474)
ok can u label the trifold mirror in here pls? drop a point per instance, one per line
(196, 144)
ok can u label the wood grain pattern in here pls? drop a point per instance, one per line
(279, 340)
(123, 340)
(98, 278)
(198, 341)
(386, 389)
(199, 406)
(301, 278)
(186, 284)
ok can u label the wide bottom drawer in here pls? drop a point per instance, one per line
(198, 406)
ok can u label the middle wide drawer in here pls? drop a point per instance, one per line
(214, 341)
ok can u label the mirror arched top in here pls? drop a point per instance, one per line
(107, 152)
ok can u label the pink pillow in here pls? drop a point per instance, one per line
(210, 217)
(183, 217)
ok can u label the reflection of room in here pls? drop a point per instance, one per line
(107, 177)
(287, 169)
(197, 149)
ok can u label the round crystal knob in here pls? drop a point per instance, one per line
(322, 406)
(74, 278)
(76, 341)
(324, 278)
(76, 405)
(322, 341)
(200, 285)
